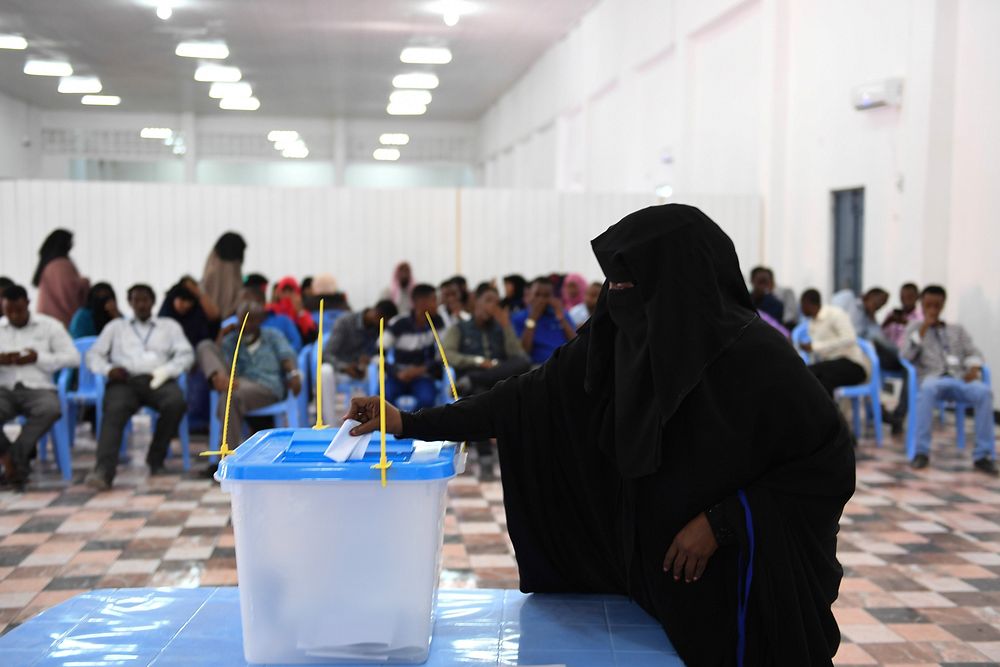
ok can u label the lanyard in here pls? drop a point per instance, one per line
(142, 340)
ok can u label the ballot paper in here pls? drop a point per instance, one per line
(345, 446)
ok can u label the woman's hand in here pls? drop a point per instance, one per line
(366, 411)
(689, 552)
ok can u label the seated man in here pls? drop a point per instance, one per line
(265, 369)
(949, 368)
(485, 349)
(349, 349)
(32, 348)
(543, 325)
(452, 308)
(838, 359)
(582, 311)
(761, 286)
(416, 362)
(141, 356)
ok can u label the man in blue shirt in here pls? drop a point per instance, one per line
(265, 369)
(416, 364)
(543, 325)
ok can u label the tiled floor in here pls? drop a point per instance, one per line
(921, 551)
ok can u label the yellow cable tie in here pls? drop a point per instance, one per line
(444, 360)
(224, 450)
(382, 464)
(319, 371)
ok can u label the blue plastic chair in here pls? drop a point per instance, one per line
(85, 392)
(911, 417)
(287, 408)
(60, 445)
(183, 431)
(800, 335)
(307, 369)
(870, 390)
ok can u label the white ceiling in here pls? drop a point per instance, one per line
(303, 57)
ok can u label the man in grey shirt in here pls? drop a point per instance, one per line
(32, 348)
(949, 368)
(141, 357)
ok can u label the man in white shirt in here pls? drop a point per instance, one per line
(142, 357)
(32, 348)
(839, 360)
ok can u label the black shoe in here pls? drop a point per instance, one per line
(158, 470)
(897, 427)
(920, 461)
(987, 466)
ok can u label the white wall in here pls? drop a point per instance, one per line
(129, 232)
(16, 135)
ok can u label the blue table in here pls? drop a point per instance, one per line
(201, 626)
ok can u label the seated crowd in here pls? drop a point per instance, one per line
(173, 361)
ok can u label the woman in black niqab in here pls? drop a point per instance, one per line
(676, 410)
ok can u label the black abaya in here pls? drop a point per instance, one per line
(744, 416)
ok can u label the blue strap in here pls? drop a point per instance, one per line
(745, 578)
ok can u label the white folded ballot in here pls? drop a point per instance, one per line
(345, 446)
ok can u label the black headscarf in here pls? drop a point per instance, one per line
(230, 247)
(652, 343)
(195, 323)
(516, 301)
(97, 301)
(56, 245)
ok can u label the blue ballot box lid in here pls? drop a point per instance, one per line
(296, 454)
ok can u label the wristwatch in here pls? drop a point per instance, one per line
(294, 373)
(530, 323)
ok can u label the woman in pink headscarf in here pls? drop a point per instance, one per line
(399, 289)
(574, 288)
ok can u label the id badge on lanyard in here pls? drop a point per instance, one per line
(148, 356)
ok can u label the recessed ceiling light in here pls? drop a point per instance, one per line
(394, 139)
(386, 154)
(156, 133)
(239, 103)
(425, 80)
(296, 150)
(282, 135)
(403, 109)
(79, 84)
(15, 42)
(209, 50)
(101, 100)
(224, 73)
(426, 55)
(451, 10)
(413, 97)
(48, 68)
(239, 89)
(164, 12)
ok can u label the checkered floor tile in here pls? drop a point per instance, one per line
(921, 550)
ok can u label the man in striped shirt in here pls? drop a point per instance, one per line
(416, 364)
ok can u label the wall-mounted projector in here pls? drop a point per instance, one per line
(885, 93)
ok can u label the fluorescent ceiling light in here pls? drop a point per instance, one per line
(425, 80)
(296, 150)
(282, 135)
(79, 84)
(399, 139)
(239, 103)
(156, 133)
(101, 100)
(224, 73)
(15, 42)
(410, 97)
(386, 154)
(426, 55)
(282, 144)
(220, 89)
(451, 10)
(401, 109)
(48, 68)
(210, 50)
(164, 12)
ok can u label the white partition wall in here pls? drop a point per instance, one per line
(129, 232)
